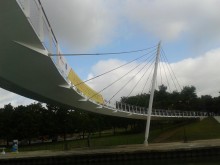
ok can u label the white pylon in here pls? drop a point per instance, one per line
(152, 95)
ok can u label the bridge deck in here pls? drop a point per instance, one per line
(27, 69)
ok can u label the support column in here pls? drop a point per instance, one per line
(152, 95)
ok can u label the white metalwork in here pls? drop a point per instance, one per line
(161, 112)
(152, 95)
(39, 22)
(41, 26)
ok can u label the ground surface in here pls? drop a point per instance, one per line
(117, 149)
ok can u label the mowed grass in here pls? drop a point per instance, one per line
(106, 140)
(207, 128)
(95, 142)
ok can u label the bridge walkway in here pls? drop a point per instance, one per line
(27, 67)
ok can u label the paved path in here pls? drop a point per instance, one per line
(117, 149)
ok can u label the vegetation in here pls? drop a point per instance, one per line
(186, 100)
(35, 123)
(96, 142)
(208, 128)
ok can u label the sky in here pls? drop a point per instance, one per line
(189, 31)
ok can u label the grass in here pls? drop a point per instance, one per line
(95, 142)
(208, 128)
(120, 139)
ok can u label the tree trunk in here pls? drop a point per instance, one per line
(114, 130)
(7, 141)
(100, 132)
(64, 136)
(88, 139)
(126, 129)
(83, 134)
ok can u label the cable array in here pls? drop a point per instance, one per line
(109, 71)
(167, 68)
(143, 66)
(101, 54)
(119, 78)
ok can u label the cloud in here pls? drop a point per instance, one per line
(81, 25)
(13, 99)
(172, 19)
(200, 72)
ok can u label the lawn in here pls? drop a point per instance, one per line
(207, 128)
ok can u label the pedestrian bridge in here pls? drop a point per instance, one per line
(28, 68)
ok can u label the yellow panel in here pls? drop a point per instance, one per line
(85, 89)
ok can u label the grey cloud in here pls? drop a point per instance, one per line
(83, 25)
(171, 19)
(201, 72)
(80, 25)
(13, 99)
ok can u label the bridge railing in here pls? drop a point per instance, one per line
(161, 112)
(37, 17)
(85, 89)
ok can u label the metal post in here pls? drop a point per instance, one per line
(152, 95)
(41, 25)
(27, 8)
(58, 52)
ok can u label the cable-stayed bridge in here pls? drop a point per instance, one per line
(32, 65)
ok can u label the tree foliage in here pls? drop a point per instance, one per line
(36, 121)
(186, 100)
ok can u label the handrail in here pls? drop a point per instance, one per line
(161, 112)
(67, 72)
(47, 21)
(37, 17)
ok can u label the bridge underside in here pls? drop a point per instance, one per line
(26, 69)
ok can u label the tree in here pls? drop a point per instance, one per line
(188, 97)
(7, 130)
(32, 120)
(161, 98)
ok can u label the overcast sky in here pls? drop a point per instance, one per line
(189, 31)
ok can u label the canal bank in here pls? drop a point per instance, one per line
(162, 152)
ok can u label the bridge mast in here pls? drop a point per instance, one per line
(152, 95)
